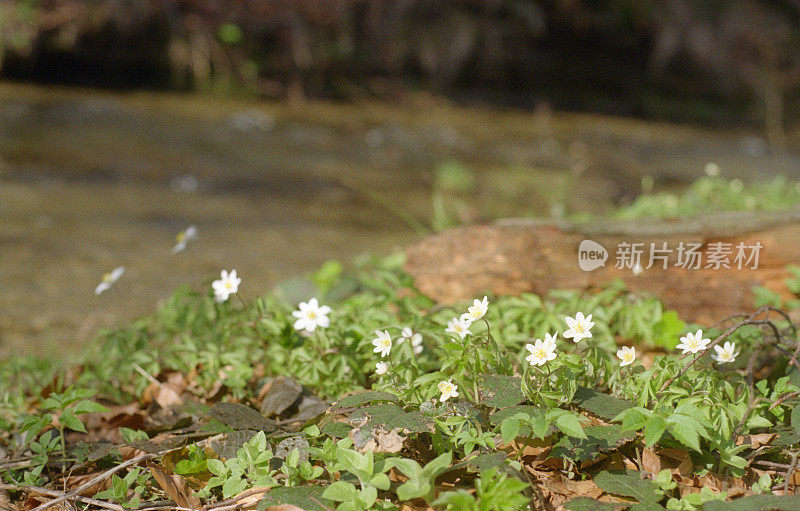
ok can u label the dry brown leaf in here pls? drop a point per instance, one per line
(379, 440)
(650, 461)
(255, 494)
(175, 487)
(283, 507)
(678, 460)
(756, 441)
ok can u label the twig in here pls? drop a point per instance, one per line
(95, 480)
(748, 321)
(147, 375)
(790, 473)
(784, 398)
(771, 464)
(226, 504)
(55, 493)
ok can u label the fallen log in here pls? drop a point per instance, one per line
(704, 267)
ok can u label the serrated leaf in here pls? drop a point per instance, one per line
(239, 416)
(481, 462)
(71, 421)
(500, 391)
(362, 398)
(602, 405)
(570, 425)
(756, 503)
(587, 504)
(598, 439)
(629, 484)
(654, 429)
(685, 429)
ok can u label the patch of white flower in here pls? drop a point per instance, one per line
(448, 390)
(459, 326)
(311, 315)
(579, 327)
(109, 279)
(382, 343)
(477, 310)
(541, 351)
(414, 337)
(693, 343)
(381, 368)
(184, 237)
(627, 354)
(227, 285)
(727, 353)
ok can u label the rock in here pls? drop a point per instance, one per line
(529, 256)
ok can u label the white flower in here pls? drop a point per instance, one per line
(542, 351)
(381, 368)
(579, 327)
(627, 354)
(383, 343)
(477, 311)
(459, 326)
(725, 354)
(227, 285)
(415, 338)
(183, 238)
(448, 390)
(310, 316)
(109, 279)
(693, 342)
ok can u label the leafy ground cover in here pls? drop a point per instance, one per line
(371, 396)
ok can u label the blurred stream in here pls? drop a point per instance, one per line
(91, 180)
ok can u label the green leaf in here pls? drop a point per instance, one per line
(509, 429)
(71, 421)
(500, 391)
(309, 498)
(653, 430)
(587, 504)
(361, 398)
(216, 467)
(599, 439)
(340, 491)
(685, 429)
(570, 425)
(238, 416)
(602, 405)
(633, 419)
(629, 484)
(667, 330)
(88, 407)
(233, 486)
(796, 418)
(756, 503)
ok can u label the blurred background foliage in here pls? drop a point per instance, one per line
(709, 61)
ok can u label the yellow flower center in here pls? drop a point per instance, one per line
(539, 353)
(228, 285)
(578, 328)
(108, 277)
(311, 315)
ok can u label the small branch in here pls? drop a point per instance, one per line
(790, 473)
(720, 338)
(95, 480)
(64, 496)
(783, 398)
